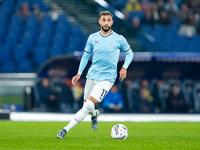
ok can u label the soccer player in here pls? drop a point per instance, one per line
(104, 46)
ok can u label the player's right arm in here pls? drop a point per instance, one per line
(84, 60)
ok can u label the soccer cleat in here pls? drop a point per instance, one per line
(95, 121)
(61, 134)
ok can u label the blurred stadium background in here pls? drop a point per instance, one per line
(44, 39)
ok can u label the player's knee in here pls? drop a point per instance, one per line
(89, 105)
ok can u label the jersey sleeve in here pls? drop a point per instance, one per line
(128, 59)
(124, 45)
(84, 60)
(88, 46)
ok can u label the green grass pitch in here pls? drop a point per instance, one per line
(142, 136)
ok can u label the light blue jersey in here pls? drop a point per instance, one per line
(105, 51)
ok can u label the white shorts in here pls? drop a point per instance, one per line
(96, 89)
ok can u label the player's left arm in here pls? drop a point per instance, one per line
(128, 59)
(125, 47)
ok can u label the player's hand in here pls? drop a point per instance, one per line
(75, 79)
(122, 74)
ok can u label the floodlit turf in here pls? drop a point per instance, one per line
(142, 136)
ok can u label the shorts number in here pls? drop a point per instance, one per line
(103, 94)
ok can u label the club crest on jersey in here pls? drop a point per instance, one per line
(111, 41)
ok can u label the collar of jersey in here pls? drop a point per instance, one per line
(105, 35)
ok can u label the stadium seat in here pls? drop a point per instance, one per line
(5, 53)
(27, 41)
(30, 32)
(146, 28)
(2, 33)
(74, 44)
(7, 7)
(159, 36)
(40, 55)
(119, 4)
(194, 47)
(39, 3)
(76, 30)
(175, 21)
(179, 47)
(46, 19)
(9, 2)
(59, 40)
(138, 14)
(16, 18)
(11, 39)
(55, 50)
(195, 40)
(16, 29)
(24, 66)
(8, 67)
(181, 44)
(62, 19)
(24, 1)
(46, 29)
(31, 21)
(172, 28)
(159, 28)
(171, 36)
(19, 53)
(167, 45)
(61, 28)
(3, 19)
(43, 40)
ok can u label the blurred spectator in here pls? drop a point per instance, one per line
(164, 18)
(134, 28)
(198, 29)
(146, 5)
(189, 94)
(24, 10)
(145, 84)
(36, 11)
(155, 12)
(54, 12)
(133, 6)
(124, 90)
(156, 97)
(47, 96)
(142, 102)
(148, 19)
(54, 97)
(156, 8)
(64, 94)
(160, 5)
(193, 5)
(175, 102)
(183, 12)
(113, 101)
(188, 28)
(78, 95)
(171, 7)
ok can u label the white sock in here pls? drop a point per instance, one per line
(87, 108)
(93, 112)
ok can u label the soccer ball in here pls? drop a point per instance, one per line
(119, 131)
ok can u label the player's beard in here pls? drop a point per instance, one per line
(105, 30)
